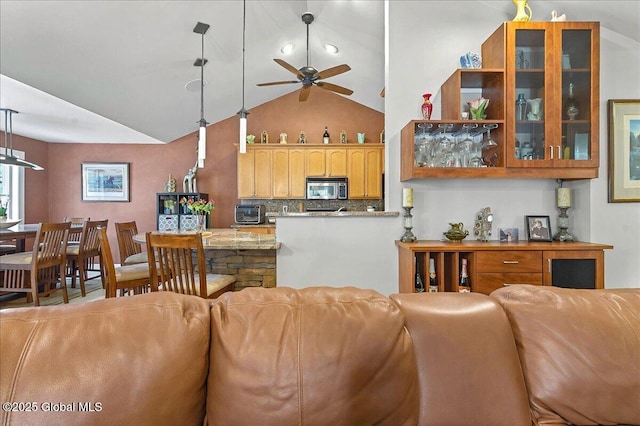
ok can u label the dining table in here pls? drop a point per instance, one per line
(19, 233)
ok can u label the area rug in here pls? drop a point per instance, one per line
(93, 287)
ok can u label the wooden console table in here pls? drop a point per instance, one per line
(495, 264)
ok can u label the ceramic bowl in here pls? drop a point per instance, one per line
(456, 236)
(8, 223)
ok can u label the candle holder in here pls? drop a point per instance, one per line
(408, 236)
(563, 224)
(563, 202)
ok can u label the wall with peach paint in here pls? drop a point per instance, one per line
(55, 192)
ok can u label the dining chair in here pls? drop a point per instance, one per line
(122, 280)
(44, 266)
(130, 251)
(76, 222)
(85, 256)
(177, 263)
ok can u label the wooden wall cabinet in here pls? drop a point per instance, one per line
(492, 265)
(280, 171)
(540, 60)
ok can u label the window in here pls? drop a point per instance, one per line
(12, 187)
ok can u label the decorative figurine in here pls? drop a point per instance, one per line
(303, 138)
(523, 11)
(264, 137)
(482, 226)
(343, 137)
(189, 181)
(170, 186)
(283, 137)
(555, 17)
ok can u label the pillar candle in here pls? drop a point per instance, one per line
(407, 197)
(563, 199)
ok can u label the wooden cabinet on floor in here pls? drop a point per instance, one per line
(494, 264)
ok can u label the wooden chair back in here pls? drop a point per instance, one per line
(85, 256)
(133, 277)
(76, 222)
(125, 232)
(44, 266)
(172, 266)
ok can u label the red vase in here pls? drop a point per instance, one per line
(427, 106)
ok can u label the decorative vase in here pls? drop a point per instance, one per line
(427, 106)
(202, 223)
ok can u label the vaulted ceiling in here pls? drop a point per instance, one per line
(117, 71)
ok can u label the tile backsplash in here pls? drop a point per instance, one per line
(295, 206)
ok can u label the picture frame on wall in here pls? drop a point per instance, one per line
(105, 182)
(538, 228)
(624, 150)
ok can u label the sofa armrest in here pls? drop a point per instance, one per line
(468, 365)
(580, 352)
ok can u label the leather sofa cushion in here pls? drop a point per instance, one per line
(468, 364)
(143, 358)
(580, 352)
(330, 356)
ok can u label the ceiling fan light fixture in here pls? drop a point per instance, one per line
(331, 48)
(288, 48)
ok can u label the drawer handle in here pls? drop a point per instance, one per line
(510, 262)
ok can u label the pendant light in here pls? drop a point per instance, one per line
(7, 157)
(201, 28)
(243, 112)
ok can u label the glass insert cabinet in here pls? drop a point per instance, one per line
(542, 81)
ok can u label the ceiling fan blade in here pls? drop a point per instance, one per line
(273, 83)
(330, 72)
(304, 93)
(289, 67)
(334, 88)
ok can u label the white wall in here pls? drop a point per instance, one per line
(424, 40)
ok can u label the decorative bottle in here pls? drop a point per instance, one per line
(419, 284)
(433, 282)
(325, 135)
(427, 106)
(571, 105)
(521, 107)
(465, 285)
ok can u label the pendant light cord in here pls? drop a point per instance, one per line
(244, 26)
(202, 120)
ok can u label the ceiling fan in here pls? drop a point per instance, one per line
(310, 76)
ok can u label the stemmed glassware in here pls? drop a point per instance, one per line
(445, 146)
(488, 144)
(422, 144)
(464, 148)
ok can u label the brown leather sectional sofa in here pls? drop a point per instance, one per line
(326, 356)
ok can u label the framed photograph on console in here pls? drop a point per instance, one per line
(624, 150)
(105, 182)
(538, 228)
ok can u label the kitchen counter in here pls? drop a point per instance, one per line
(227, 239)
(334, 214)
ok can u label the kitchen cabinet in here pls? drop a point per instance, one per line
(254, 174)
(280, 171)
(543, 61)
(329, 162)
(494, 264)
(288, 178)
(364, 171)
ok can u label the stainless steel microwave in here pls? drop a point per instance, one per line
(323, 188)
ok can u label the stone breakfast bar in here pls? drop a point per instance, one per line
(250, 257)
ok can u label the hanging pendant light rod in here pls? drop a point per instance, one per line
(201, 28)
(243, 112)
(7, 157)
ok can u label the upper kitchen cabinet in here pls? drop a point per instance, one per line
(542, 82)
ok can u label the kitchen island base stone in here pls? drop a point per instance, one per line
(251, 268)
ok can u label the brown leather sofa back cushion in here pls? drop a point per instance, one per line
(580, 352)
(467, 360)
(318, 357)
(138, 361)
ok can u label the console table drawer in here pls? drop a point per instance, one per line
(486, 283)
(509, 261)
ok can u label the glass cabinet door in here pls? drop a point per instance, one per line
(530, 96)
(576, 95)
